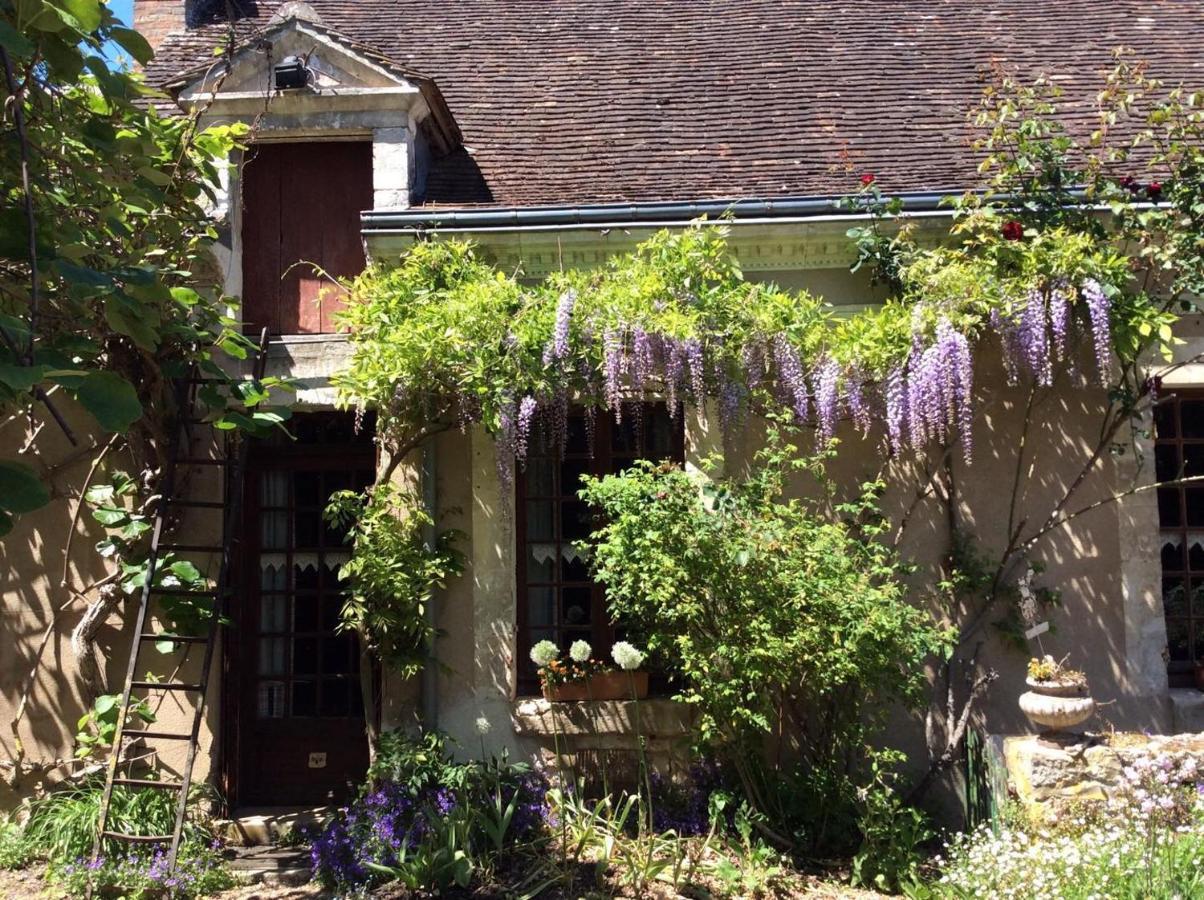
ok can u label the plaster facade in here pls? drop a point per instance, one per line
(1105, 562)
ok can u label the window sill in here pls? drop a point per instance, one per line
(659, 717)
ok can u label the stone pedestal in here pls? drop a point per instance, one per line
(1048, 776)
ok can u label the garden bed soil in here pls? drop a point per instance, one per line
(30, 884)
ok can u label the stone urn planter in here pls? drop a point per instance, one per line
(1056, 705)
(603, 686)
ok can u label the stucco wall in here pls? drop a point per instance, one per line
(31, 590)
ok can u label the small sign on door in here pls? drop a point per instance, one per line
(317, 760)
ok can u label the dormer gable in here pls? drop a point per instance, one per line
(350, 87)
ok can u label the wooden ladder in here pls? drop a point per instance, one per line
(174, 497)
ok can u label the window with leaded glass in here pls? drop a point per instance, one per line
(1179, 454)
(557, 600)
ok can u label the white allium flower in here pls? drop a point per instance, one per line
(483, 726)
(580, 651)
(627, 656)
(543, 653)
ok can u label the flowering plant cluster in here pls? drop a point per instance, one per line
(1147, 841)
(426, 802)
(1049, 670)
(199, 871)
(580, 665)
(1161, 791)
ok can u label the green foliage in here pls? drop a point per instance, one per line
(62, 824)
(117, 505)
(890, 856)
(15, 851)
(107, 286)
(754, 598)
(392, 572)
(98, 726)
(759, 604)
(200, 871)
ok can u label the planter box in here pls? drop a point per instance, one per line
(607, 686)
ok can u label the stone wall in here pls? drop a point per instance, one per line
(1049, 775)
(590, 737)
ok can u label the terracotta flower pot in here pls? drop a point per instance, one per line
(605, 686)
(1056, 705)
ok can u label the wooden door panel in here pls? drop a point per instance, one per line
(301, 208)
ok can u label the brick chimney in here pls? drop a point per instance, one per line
(156, 19)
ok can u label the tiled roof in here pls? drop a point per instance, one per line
(581, 101)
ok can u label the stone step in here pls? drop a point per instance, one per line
(272, 866)
(255, 826)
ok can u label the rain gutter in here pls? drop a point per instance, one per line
(418, 221)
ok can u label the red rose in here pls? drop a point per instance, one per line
(1013, 230)
(1154, 189)
(867, 179)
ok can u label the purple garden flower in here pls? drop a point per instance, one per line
(1098, 309)
(558, 347)
(612, 343)
(693, 352)
(826, 379)
(526, 412)
(790, 374)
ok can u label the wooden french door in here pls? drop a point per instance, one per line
(295, 678)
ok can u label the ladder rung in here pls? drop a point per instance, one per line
(203, 461)
(138, 838)
(165, 686)
(189, 548)
(150, 783)
(174, 638)
(134, 735)
(197, 504)
(182, 592)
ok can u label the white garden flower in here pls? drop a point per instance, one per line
(627, 656)
(483, 726)
(580, 651)
(543, 653)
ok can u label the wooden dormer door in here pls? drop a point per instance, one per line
(301, 205)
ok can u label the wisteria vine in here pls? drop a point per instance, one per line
(675, 321)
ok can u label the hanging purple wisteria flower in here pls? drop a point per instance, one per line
(826, 379)
(612, 344)
(896, 408)
(693, 351)
(790, 374)
(558, 347)
(1099, 308)
(526, 412)
(1034, 338)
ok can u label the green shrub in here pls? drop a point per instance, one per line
(892, 833)
(15, 851)
(764, 606)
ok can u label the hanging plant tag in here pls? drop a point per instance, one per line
(1039, 628)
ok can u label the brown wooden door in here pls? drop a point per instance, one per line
(301, 736)
(301, 204)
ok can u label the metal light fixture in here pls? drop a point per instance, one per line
(291, 73)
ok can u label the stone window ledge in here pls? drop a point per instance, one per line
(660, 718)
